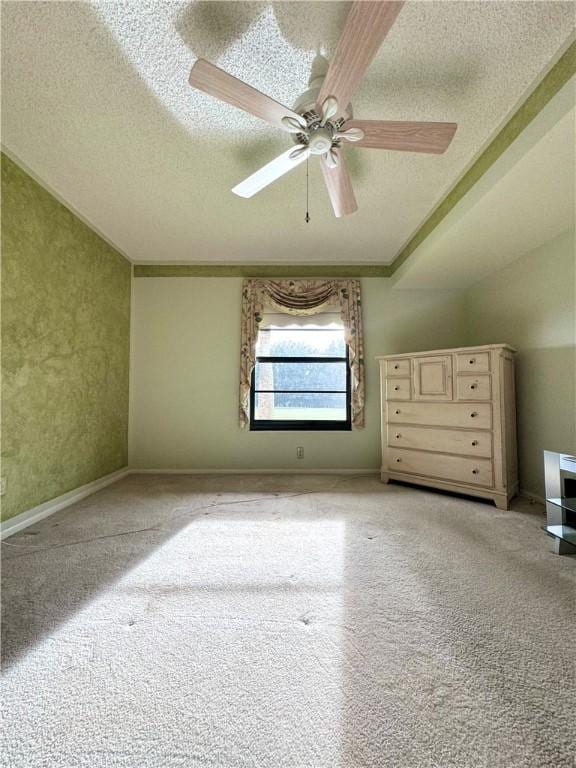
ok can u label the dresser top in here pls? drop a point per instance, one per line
(464, 350)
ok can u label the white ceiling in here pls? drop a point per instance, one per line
(96, 104)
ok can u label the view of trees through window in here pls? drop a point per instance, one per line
(301, 374)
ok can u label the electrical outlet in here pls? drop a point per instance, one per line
(2, 486)
(300, 452)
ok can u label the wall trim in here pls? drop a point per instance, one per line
(370, 470)
(25, 519)
(531, 497)
(539, 97)
(263, 270)
(30, 516)
(19, 522)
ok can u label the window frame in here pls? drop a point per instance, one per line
(302, 425)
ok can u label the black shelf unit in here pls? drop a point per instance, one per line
(560, 478)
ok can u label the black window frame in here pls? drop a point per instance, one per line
(316, 425)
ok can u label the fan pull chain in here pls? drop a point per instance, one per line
(307, 217)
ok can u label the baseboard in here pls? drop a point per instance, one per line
(531, 496)
(360, 471)
(31, 516)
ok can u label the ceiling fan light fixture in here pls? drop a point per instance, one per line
(299, 150)
(292, 125)
(320, 141)
(329, 109)
(332, 159)
(352, 134)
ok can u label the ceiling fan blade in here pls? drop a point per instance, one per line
(366, 27)
(270, 172)
(339, 186)
(216, 82)
(433, 138)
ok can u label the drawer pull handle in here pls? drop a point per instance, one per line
(396, 367)
(397, 411)
(398, 437)
(473, 415)
(472, 361)
(396, 389)
(474, 442)
(473, 386)
(474, 471)
(398, 461)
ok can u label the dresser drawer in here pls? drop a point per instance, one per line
(441, 440)
(459, 469)
(398, 389)
(474, 387)
(467, 415)
(473, 362)
(398, 367)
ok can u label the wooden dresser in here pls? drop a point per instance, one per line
(449, 420)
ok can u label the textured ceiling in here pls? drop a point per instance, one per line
(97, 105)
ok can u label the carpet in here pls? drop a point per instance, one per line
(287, 622)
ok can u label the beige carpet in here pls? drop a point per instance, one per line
(280, 621)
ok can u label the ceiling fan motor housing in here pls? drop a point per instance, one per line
(318, 137)
(320, 140)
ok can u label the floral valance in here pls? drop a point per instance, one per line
(302, 297)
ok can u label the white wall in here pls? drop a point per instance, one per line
(185, 363)
(531, 305)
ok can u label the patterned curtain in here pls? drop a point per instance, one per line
(302, 297)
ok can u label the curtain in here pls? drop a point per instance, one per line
(302, 297)
(274, 319)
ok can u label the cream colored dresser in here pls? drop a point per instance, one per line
(449, 421)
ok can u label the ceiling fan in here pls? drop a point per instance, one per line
(321, 120)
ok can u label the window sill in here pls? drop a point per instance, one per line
(300, 426)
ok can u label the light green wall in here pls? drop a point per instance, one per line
(185, 365)
(186, 338)
(65, 328)
(531, 305)
(65, 348)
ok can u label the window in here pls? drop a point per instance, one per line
(301, 379)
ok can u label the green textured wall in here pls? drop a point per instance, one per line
(65, 348)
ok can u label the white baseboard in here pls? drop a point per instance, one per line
(369, 471)
(531, 496)
(31, 516)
